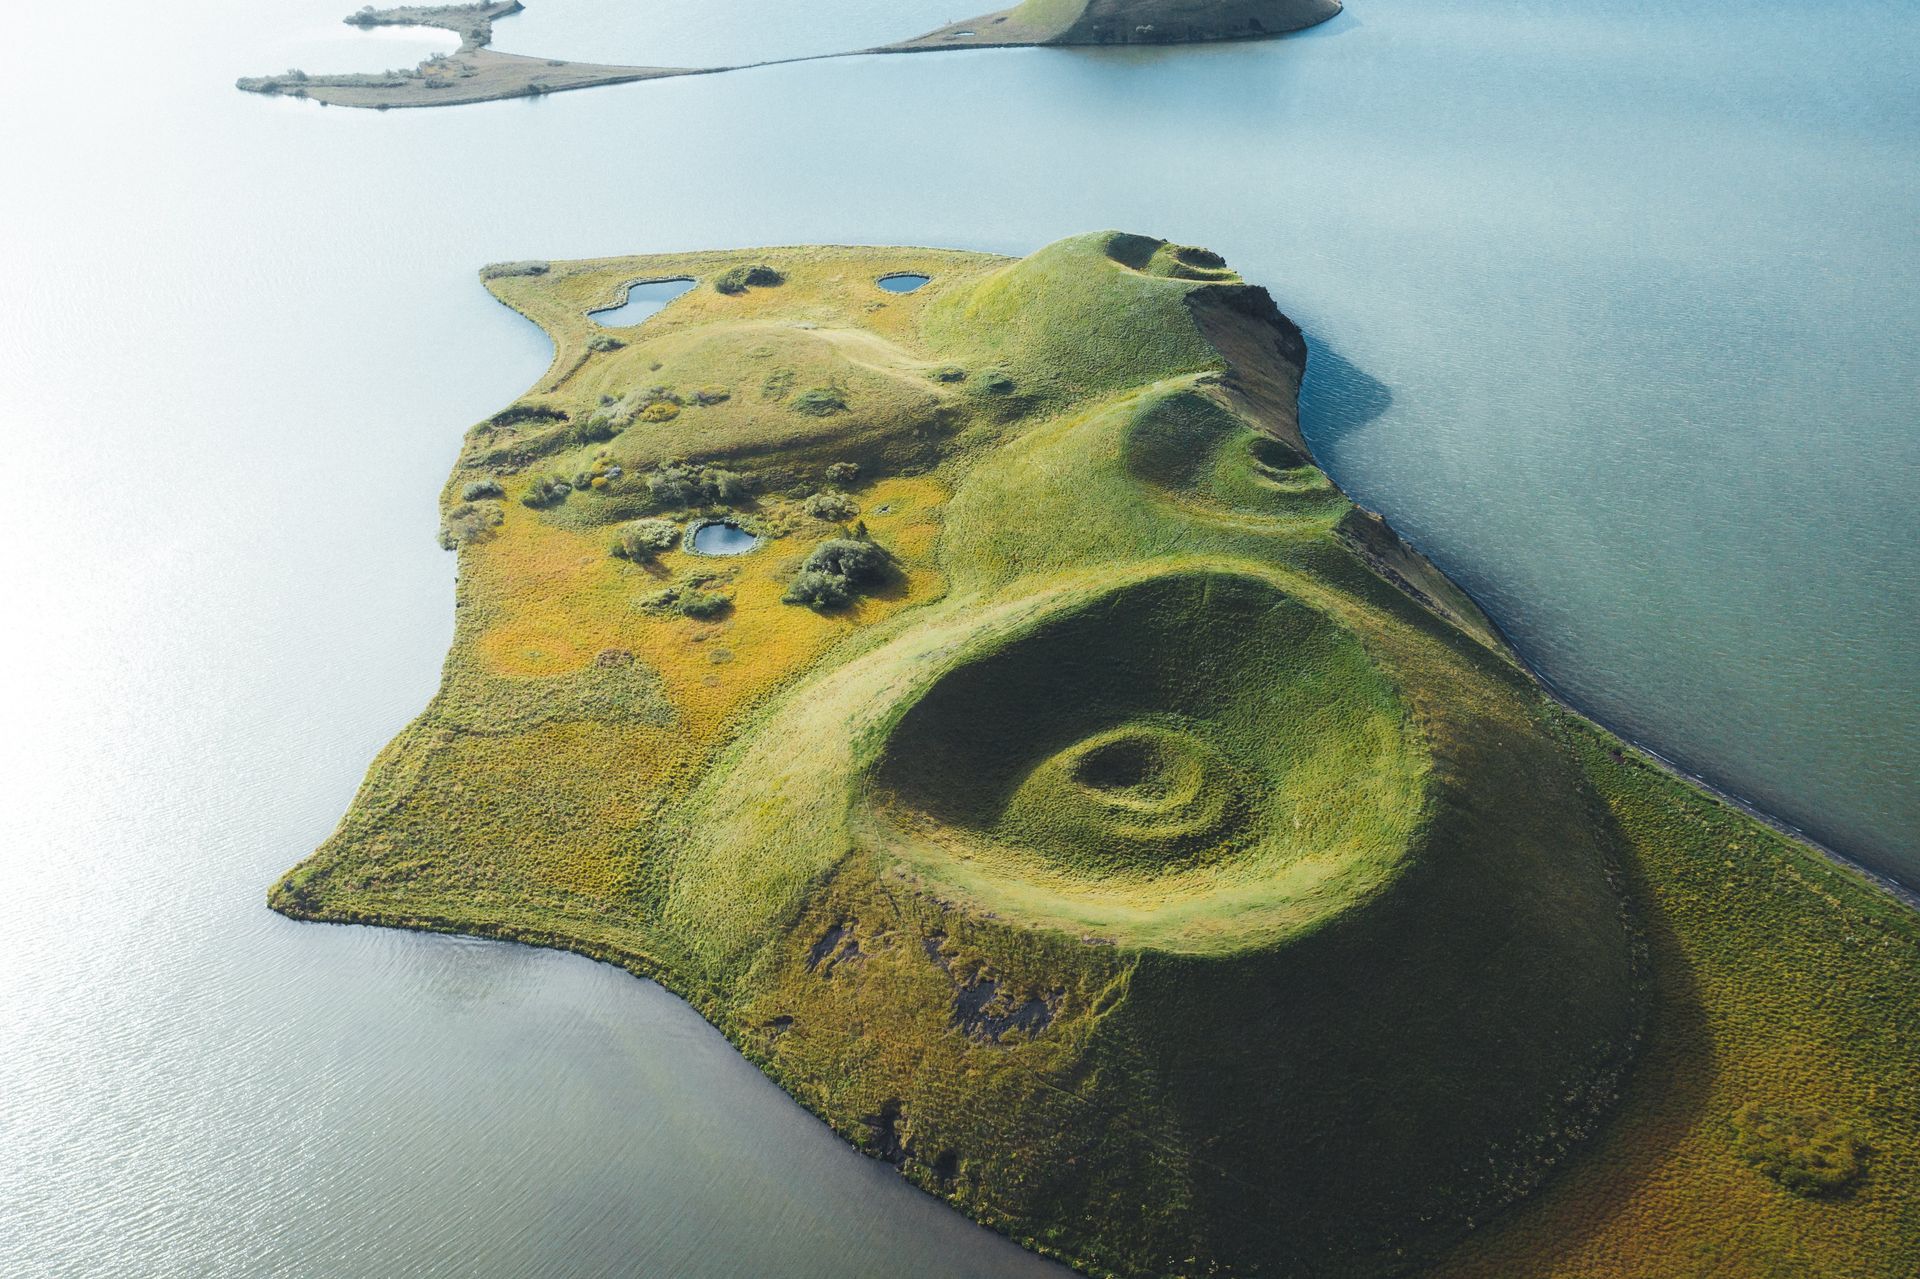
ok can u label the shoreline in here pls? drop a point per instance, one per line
(476, 72)
(1891, 885)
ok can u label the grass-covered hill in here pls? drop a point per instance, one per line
(1077, 803)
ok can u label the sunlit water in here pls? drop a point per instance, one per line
(643, 299)
(1613, 312)
(723, 539)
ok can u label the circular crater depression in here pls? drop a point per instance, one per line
(1189, 761)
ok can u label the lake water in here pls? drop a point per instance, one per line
(644, 298)
(723, 539)
(1613, 311)
(904, 283)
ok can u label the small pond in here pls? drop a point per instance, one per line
(644, 298)
(904, 282)
(723, 539)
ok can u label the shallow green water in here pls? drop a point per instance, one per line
(1613, 312)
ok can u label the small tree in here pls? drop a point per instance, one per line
(640, 541)
(546, 490)
(830, 506)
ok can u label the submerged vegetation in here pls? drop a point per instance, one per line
(1125, 837)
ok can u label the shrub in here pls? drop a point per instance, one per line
(741, 278)
(641, 540)
(604, 342)
(843, 473)
(546, 490)
(702, 604)
(688, 600)
(660, 411)
(860, 563)
(835, 571)
(819, 590)
(501, 269)
(1807, 1151)
(678, 484)
(948, 373)
(709, 395)
(830, 506)
(480, 489)
(997, 383)
(469, 522)
(724, 486)
(591, 430)
(821, 401)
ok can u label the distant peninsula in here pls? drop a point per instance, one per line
(474, 72)
(955, 677)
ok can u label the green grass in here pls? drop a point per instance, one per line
(1158, 860)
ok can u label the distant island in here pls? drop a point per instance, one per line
(954, 676)
(476, 73)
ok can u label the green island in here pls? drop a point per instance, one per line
(1074, 800)
(476, 73)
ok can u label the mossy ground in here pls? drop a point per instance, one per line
(1159, 863)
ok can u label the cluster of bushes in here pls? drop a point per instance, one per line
(741, 278)
(595, 428)
(707, 396)
(600, 474)
(948, 373)
(654, 404)
(689, 600)
(1807, 1151)
(680, 484)
(546, 490)
(843, 473)
(820, 401)
(500, 270)
(480, 490)
(640, 541)
(837, 571)
(830, 505)
(469, 522)
(604, 342)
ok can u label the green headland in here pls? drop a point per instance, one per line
(476, 73)
(1075, 801)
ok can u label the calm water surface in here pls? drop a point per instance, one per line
(1613, 312)
(723, 539)
(643, 299)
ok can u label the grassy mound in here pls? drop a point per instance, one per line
(1160, 860)
(1110, 768)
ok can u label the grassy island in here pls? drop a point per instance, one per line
(476, 73)
(1079, 804)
